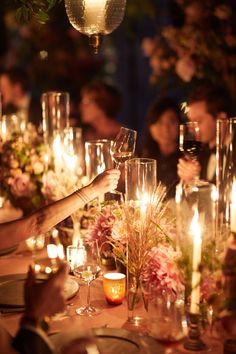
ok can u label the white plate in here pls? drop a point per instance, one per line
(12, 289)
(112, 341)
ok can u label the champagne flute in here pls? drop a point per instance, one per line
(123, 146)
(88, 270)
(167, 322)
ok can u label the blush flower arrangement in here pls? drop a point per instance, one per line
(22, 160)
(144, 245)
(202, 46)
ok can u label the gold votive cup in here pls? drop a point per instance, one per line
(114, 287)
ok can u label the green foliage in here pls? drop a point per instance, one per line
(38, 9)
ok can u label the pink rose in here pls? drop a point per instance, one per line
(21, 186)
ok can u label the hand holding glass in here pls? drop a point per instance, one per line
(190, 140)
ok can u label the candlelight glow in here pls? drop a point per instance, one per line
(60, 252)
(94, 16)
(195, 227)
(114, 287)
(233, 196)
(52, 251)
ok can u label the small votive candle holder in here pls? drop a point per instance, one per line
(114, 287)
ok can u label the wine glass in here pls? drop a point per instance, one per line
(190, 140)
(88, 270)
(123, 146)
(167, 322)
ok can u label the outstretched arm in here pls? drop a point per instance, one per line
(45, 218)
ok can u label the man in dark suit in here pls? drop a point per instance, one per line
(205, 105)
(17, 98)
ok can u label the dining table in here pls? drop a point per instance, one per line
(111, 316)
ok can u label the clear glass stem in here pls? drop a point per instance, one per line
(88, 295)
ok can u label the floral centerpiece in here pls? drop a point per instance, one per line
(200, 47)
(145, 246)
(23, 164)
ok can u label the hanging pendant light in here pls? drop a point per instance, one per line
(95, 18)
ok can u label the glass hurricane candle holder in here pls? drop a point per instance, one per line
(140, 186)
(55, 112)
(95, 18)
(225, 177)
(195, 212)
(140, 179)
(114, 287)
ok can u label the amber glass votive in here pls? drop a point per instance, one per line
(114, 288)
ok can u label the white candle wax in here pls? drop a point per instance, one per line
(60, 251)
(58, 153)
(52, 251)
(196, 276)
(233, 209)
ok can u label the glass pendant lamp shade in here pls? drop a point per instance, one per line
(95, 18)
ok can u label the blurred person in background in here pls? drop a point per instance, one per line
(161, 142)
(17, 98)
(100, 106)
(205, 105)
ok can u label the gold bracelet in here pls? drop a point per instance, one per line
(83, 196)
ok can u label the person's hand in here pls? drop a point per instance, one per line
(104, 182)
(188, 169)
(46, 298)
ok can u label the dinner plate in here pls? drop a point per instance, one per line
(113, 341)
(12, 289)
(8, 250)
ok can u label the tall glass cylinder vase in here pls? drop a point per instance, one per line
(195, 205)
(225, 176)
(55, 112)
(140, 179)
(140, 183)
(97, 157)
(195, 214)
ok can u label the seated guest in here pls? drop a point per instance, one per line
(42, 300)
(17, 98)
(99, 107)
(205, 105)
(42, 220)
(161, 141)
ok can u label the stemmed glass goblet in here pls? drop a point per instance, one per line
(123, 146)
(88, 270)
(167, 322)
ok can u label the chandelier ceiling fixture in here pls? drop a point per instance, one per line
(95, 18)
